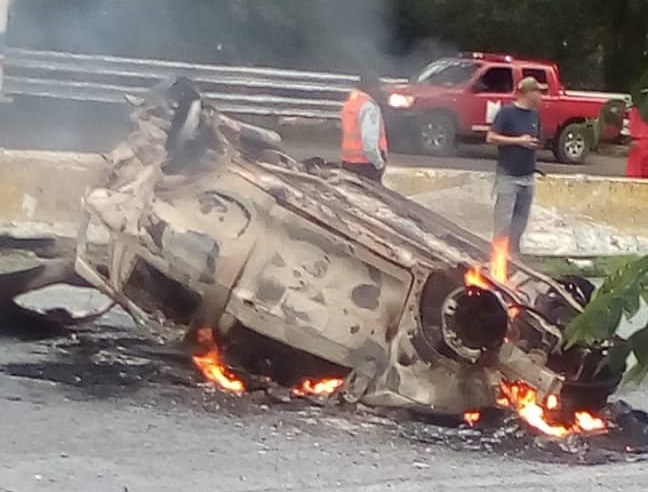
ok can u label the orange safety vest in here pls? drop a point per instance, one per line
(352, 151)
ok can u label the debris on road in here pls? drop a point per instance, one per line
(110, 361)
(501, 433)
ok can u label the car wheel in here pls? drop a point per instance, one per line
(437, 134)
(572, 145)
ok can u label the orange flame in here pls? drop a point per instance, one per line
(524, 400)
(513, 312)
(588, 422)
(553, 402)
(322, 387)
(499, 259)
(471, 418)
(498, 266)
(474, 278)
(213, 368)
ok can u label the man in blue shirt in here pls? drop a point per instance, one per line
(517, 133)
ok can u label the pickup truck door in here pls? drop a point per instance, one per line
(493, 88)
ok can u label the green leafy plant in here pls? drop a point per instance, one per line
(619, 297)
(640, 97)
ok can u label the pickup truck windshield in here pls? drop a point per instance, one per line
(447, 72)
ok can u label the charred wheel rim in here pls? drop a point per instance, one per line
(447, 322)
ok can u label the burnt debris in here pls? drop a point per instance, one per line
(304, 270)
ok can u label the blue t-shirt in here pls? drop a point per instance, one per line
(513, 121)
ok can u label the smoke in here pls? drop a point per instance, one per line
(338, 35)
(349, 36)
(144, 28)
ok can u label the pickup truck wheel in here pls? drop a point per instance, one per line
(572, 145)
(437, 134)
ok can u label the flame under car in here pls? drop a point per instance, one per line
(307, 263)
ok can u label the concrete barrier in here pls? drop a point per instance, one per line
(572, 215)
(45, 187)
(40, 191)
(617, 202)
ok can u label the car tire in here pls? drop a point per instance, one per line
(572, 145)
(437, 134)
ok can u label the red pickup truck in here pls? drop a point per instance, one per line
(456, 99)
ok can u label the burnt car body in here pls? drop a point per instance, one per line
(233, 234)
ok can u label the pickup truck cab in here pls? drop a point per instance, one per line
(456, 99)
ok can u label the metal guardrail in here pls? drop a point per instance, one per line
(237, 90)
(241, 90)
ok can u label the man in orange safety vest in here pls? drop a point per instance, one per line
(364, 141)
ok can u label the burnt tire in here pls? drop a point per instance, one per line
(572, 145)
(437, 134)
(476, 317)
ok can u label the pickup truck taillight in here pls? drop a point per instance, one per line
(400, 101)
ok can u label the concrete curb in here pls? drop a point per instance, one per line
(45, 187)
(43, 190)
(617, 202)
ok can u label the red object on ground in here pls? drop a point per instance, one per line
(638, 156)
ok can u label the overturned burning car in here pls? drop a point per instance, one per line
(304, 271)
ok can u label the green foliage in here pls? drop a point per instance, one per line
(619, 297)
(600, 267)
(598, 43)
(640, 97)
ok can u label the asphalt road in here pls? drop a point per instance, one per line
(467, 157)
(82, 412)
(88, 127)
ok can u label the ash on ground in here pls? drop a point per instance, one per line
(102, 360)
(505, 434)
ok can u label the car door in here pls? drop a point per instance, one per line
(493, 88)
